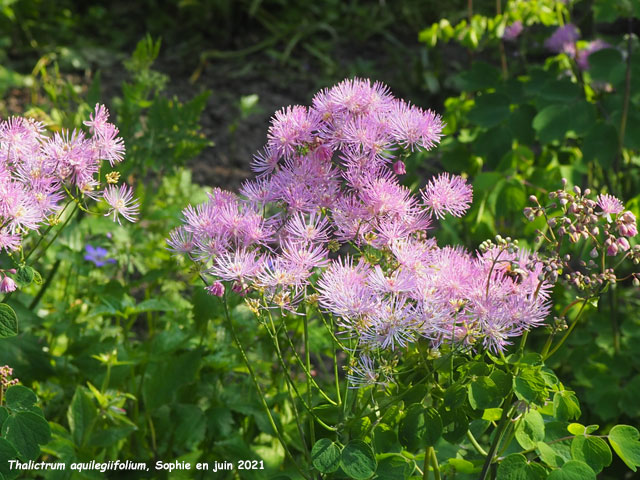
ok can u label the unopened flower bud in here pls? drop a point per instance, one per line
(612, 250)
(399, 168)
(593, 253)
(623, 244)
(216, 289)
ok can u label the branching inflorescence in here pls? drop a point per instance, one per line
(327, 221)
(41, 174)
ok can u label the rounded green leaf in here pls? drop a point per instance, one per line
(358, 460)
(530, 430)
(591, 450)
(549, 455)
(325, 456)
(393, 467)
(7, 452)
(420, 427)
(26, 431)
(25, 275)
(573, 470)
(483, 393)
(566, 406)
(576, 429)
(20, 398)
(624, 440)
(8, 321)
(516, 467)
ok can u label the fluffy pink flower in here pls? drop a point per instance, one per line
(121, 203)
(447, 194)
(609, 205)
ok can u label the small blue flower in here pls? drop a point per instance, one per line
(97, 255)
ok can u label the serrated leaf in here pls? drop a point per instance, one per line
(624, 440)
(325, 456)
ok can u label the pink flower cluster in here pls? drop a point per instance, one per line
(39, 171)
(327, 200)
(564, 39)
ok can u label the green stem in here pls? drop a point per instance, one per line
(46, 247)
(45, 285)
(285, 368)
(504, 421)
(425, 467)
(475, 444)
(307, 353)
(258, 388)
(568, 332)
(306, 370)
(434, 464)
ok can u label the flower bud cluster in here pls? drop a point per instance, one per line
(599, 224)
(5, 373)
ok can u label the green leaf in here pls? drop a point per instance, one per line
(490, 109)
(573, 470)
(530, 430)
(26, 431)
(8, 321)
(25, 275)
(463, 466)
(20, 398)
(81, 415)
(110, 436)
(358, 460)
(530, 386)
(566, 406)
(624, 440)
(4, 414)
(7, 452)
(603, 63)
(551, 122)
(325, 456)
(601, 144)
(492, 414)
(483, 393)
(481, 75)
(548, 455)
(393, 467)
(577, 429)
(516, 467)
(420, 427)
(455, 395)
(591, 450)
